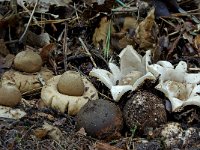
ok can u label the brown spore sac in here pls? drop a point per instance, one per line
(144, 111)
(101, 119)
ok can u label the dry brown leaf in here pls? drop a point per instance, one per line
(3, 49)
(130, 23)
(8, 112)
(8, 61)
(82, 131)
(52, 131)
(43, 5)
(46, 50)
(100, 33)
(144, 32)
(40, 133)
(105, 146)
(197, 42)
(188, 37)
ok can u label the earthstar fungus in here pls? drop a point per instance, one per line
(131, 74)
(9, 95)
(28, 74)
(71, 102)
(180, 87)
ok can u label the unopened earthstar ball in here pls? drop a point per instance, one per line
(28, 61)
(101, 119)
(144, 110)
(28, 75)
(9, 95)
(71, 84)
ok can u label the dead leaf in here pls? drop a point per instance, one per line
(100, 33)
(8, 61)
(8, 112)
(99, 2)
(3, 49)
(130, 23)
(188, 37)
(160, 49)
(52, 131)
(46, 51)
(144, 32)
(48, 116)
(40, 133)
(43, 5)
(40, 104)
(82, 131)
(105, 146)
(197, 42)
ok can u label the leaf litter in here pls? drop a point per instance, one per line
(91, 34)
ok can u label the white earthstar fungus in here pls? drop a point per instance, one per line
(130, 75)
(51, 96)
(180, 87)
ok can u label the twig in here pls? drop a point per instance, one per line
(88, 53)
(29, 21)
(76, 13)
(21, 3)
(65, 47)
(195, 19)
(121, 3)
(125, 9)
(105, 96)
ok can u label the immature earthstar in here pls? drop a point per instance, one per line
(28, 74)
(9, 95)
(68, 92)
(130, 76)
(180, 87)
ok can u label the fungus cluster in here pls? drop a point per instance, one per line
(180, 87)
(68, 92)
(28, 74)
(130, 76)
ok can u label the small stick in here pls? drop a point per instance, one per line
(29, 21)
(65, 47)
(76, 13)
(88, 53)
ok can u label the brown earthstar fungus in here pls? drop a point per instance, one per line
(9, 95)
(28, 61)
(53, 93)
(101, 119)
(29, 75)
(71, 84)
(144, 110)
